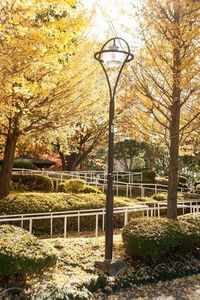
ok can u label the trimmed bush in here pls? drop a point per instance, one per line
(23, 203)
(161, 180)
(188, 196)
(164, 180)
(160, 197)
(31, 183)
(148, 176)
(22, 253)
(24, 164)
(77, 186)
(42, 202)
(146, 199)
(91, 189)
(163, 196)
(183, 179)
(152, 239)
(190, 219)
(74, 186)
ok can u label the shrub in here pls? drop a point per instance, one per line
(76, 186)
(145, 199)
(31, 183)
(188, 196)
(183, 179)
(190, 219)
(42, 202)
(91, 189)
(164, 180)
(148, 176)
(154, 238)
(161, 180)
(24, 164)
(160, 197)
(21, 252)
(25, 203)
(72, 186)
(61, 187)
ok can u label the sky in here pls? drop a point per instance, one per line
(113, 18)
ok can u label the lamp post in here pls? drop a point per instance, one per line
(112, 55)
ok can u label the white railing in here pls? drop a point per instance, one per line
(153, 210)
(142, 187)
(89, 176)
(65, 215)
(101, 183)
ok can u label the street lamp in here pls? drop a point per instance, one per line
(112, 55)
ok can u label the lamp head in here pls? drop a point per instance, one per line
(113, 55)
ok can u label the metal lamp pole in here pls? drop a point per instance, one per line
(112, 55)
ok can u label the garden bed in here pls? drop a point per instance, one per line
(75, 275)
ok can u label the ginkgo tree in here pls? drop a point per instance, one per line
(166, 77)
(37, 41)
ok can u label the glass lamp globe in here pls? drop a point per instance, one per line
(113, 58)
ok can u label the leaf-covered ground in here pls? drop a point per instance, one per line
(75, 276)
(187, 288)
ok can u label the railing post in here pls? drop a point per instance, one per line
(142, 191)
(65, 227)
(30, 225)
(127, 190)
(97, 225)
(51, 226)
(151, 212)
(103, 220)
(78, 222)
(147, 212)
(125, 217)
(56, 184)
(22, 221)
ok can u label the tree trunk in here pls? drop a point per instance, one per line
(173, 164)
(175, 120)
(62, 157)
(7, 164)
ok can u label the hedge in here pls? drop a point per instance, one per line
(164, 180)
(22, 253)
(41, 202)
(190, 219)
(182, 179)
(153, 239)
(148, 176)
(25, 203)
(31, 183)
(76, 186)
(24, 164)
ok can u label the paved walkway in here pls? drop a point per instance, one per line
(187, 288)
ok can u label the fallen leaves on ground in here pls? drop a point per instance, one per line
(75, 270)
